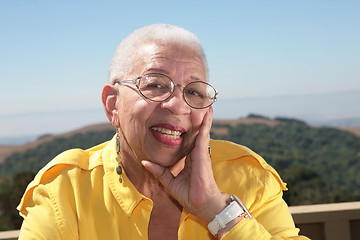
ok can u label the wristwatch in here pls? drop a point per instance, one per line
(232, 211)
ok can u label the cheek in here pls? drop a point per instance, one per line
(199, 116)
(197, 119)
(134, 112)
(130, 102)
(130, 107)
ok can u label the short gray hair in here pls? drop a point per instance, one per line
(156, 33)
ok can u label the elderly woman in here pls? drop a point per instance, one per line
(160, 177)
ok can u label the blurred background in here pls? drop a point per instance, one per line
(277, 58)
(287, 72)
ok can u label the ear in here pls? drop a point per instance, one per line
(109, 98)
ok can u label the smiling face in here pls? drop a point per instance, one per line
(162, 132)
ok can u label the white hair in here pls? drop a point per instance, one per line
(126, 52)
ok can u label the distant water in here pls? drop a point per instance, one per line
(17, 140)
(331, 109)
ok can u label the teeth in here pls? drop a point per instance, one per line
(167, 132)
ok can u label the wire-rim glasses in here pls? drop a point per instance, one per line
(158, 87)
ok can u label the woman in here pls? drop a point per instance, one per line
(160, 177)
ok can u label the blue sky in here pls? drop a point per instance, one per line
(54, 55)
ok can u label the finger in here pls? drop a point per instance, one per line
(208, 121)
(203, 137)
(163, 174)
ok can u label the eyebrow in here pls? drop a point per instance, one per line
(195, 78)
(157, 70)
(160, 70)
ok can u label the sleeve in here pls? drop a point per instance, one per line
(271, 216)
(40, 217)
(44, 216)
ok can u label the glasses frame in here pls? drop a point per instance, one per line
(137, 80)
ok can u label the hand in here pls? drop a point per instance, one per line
(194, 187)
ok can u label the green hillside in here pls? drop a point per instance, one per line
(20, 168)
(320, 165)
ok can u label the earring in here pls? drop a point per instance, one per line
(209, 149)
(118, 157)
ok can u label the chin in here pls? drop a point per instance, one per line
(167, 160)
(168, 163)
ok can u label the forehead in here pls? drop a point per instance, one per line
(169, 57)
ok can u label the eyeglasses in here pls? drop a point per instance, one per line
(158, 87)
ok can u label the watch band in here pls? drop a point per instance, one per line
(236, 199)
(232, 211)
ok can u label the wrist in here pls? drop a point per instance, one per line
(229, 216)
(217, 204)
(229, 226)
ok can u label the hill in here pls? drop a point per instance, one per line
(7, 150)
(353, 130)
(320, 164)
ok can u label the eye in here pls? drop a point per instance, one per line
(194, 93)
(155, 86)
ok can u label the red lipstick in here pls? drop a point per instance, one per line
(168, 134)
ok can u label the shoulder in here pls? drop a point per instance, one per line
(223, 151)
(237, 161)
(66, 167)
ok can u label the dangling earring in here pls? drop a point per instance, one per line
(209, 149)
(118, 157)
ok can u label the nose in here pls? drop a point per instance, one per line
(176, 102)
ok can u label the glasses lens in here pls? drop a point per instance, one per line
(156, 87)
(199, 94)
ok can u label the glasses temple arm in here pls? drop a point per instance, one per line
(125, 81)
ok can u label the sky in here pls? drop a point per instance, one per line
(55, 55)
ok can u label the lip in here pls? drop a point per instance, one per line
(173, 138)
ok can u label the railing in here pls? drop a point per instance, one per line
(335, 221)
(9, 235)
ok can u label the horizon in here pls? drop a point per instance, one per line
(352, 124)
(337, 111)
(55, 56)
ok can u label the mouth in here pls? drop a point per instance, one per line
(168, 134)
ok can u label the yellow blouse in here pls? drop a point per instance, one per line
(78, 195)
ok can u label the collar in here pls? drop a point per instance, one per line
(124, 191)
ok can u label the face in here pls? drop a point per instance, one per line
(162, 132)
